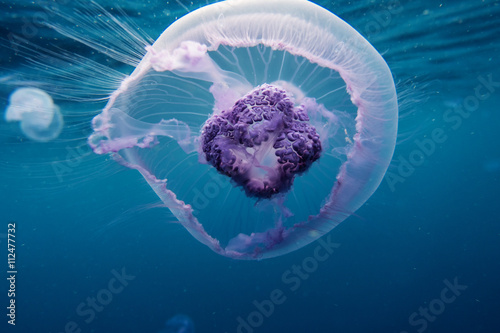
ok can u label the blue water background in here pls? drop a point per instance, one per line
(438, 222)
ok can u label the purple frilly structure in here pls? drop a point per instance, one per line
(262, 142)
(260, 91)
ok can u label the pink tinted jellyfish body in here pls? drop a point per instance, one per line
(260, 124)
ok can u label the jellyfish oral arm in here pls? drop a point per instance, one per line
(191, 60)
(115, 130)
(262, 142)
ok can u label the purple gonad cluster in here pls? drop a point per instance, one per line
(262, 142)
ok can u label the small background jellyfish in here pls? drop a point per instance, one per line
(40, 119)
(178, 324)
(259, 126)
(429, 210)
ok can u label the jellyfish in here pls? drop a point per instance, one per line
(260, 124)
(40, 118)
(178, 324)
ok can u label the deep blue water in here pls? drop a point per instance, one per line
(82, 219)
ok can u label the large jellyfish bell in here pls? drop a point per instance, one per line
(261, 124)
